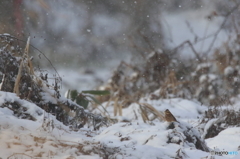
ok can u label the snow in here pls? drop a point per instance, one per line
(208, 125)
(207, 77)
(32, 138)
(182, 108)
(135, 139)
(2, 81)
(33, 110)
(226, 140)
(6, 34)
(203, 65)
(146, 141)
(228, 71)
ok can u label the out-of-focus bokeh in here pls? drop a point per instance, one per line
(79, 34)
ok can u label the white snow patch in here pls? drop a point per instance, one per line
(207, 78)
(227, 140)
(228, 70)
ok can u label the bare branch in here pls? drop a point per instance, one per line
(191, 46)
(221, 27)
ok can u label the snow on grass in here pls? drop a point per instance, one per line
(43, 138)
(132, 140)
(181, 108)
(32, 109)
(207, 78)
(208, 125)
(228, 70)
(139, 140)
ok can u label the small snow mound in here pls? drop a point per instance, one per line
(186, 135)
(203, 65)
(209, 78)
(20, 108)
(133, 138)
(228, 71)
(226, 140)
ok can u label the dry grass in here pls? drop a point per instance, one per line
(155, 69)
(147, 109)
(19, 77)
(224, 118)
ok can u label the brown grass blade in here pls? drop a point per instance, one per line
(153, 110)
(115, 110)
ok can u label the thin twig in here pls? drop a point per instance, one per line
(221, 26)
(204, 35)
(191, 46)
(140, 50)
(35, 49)
(19, 154)
(234, 25)
(168, 27)
(146, 39)
(191, 29)
(214, 35)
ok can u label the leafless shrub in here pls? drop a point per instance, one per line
(186, 135)
(218, 119)
(212, 81)
(18, 76)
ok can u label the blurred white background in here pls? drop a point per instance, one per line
(86, 39)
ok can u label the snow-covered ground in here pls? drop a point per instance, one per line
(48, 138)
